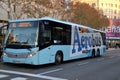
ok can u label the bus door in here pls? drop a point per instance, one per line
(44, 39)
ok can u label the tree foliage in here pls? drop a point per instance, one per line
(80, 13)
(84, 14)
(39, 8)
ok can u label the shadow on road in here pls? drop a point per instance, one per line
(27, 66)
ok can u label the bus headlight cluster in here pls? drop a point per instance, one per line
(32, 54)
(4, 54)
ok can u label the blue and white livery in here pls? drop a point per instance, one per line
(46, 40)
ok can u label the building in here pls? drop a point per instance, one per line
(110, 8)
(113, 33)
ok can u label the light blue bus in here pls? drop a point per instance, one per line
(46, 40)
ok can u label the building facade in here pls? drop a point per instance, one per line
(110, 8)
(113, 33)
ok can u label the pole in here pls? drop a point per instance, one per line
(98, 4)
(9, 16)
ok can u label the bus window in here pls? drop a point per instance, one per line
(57, 35)
(61, 35)
(44, 36)
(68, 35)
(83, 30)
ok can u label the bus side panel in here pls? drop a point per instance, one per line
(44, 55)
(66, 50)
(48, 55)
(81, 54)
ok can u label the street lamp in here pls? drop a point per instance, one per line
(67, 6)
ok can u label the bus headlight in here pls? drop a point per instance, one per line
(32, 54)
(4, 54)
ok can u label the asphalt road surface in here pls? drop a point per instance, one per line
(106, 67)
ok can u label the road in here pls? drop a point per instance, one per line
(106, 67)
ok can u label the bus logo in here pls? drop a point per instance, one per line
(83, 42)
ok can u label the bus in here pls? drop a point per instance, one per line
(47, 40)
(3, 28)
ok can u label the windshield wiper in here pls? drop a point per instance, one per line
(20, 43)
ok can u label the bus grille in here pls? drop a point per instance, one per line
(22, 55)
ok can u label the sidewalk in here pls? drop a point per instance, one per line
(109, 49)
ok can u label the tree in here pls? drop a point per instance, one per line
(39, 8)
(80, 13)
(84, 14)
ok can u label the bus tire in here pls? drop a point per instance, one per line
(93, 54)
(58, 58)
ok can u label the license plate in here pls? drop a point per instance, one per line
(15, 61)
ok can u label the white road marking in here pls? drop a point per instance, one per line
(51, 71)
(83, 63)
(31, 75)
(19, 78)
(3, 76)
(100, 59)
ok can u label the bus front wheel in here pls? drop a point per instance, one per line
(58, 58)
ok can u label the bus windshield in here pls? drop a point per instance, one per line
(22, 34)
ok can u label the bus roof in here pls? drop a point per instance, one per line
(49, 19)
(64, 22)
(99, 30)
(37, 19)
(55, 20)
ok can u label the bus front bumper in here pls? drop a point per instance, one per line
(30, 60)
